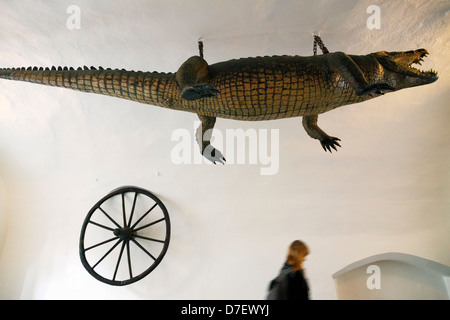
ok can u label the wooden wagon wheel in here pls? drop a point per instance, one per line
(124, 236)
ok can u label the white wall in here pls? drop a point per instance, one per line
(387, 188)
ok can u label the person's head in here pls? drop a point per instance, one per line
(296, 254)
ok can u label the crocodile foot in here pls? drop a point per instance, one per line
(330, 142)
(213, 155)
(375, 88)
(198, 92)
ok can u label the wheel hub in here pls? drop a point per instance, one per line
(124, 234)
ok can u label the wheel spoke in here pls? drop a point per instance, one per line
(118, 260)
(107, 215)
(106, 254)
(150, 224)
(145, 214)
(132, 209)
(151, 239)
(129, 259)
(99, 244)
(123, 210)
(101, 226)
(143, 249)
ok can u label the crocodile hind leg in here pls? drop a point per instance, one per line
(193, 79)
(313, 130)
(203, 137)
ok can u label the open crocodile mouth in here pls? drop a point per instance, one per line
(422, 54)
(403, 62)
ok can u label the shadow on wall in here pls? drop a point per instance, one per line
(393, 276)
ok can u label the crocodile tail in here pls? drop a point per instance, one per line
(145, 87)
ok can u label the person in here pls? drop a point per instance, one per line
(291, 283)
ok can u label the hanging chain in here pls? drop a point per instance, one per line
(315, 47)
(200, 47)
(318, 41)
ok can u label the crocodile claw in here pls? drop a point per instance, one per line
(330, 142)
(214, 155)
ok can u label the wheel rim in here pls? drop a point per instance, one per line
(124, 236)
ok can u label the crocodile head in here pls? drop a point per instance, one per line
(398, 68)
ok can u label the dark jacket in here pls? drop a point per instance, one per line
(297, 287)
(294, 287)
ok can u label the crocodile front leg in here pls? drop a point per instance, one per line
(203, 136)
(313, 130)
(352, 74)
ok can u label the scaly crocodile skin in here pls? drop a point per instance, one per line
(261, 88)
(144, 87)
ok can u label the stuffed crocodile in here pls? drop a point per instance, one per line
(255, 89)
